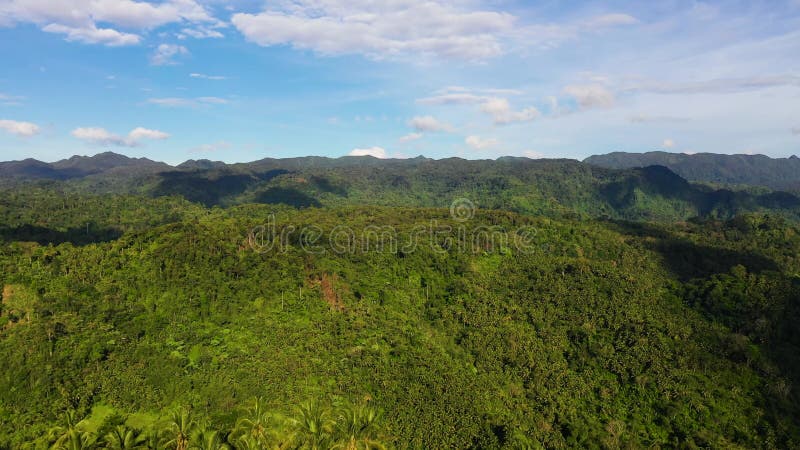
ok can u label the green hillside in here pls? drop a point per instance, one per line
(499, 330)
(735, 170)
(554, 188)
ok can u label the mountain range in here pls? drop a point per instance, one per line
(551, 187)
(754, 170)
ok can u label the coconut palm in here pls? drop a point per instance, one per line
(75, 440)
(312, 427)
(124, 438)
(257, 428)
(205, 439)
(357, 429)
(179, 430)
(61, 434)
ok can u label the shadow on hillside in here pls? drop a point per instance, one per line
(326, 185)
(287, 196)
(661, 182)
(686, 259)
(75, 236)
(209, 187)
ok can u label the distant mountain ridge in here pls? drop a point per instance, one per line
(754, 170)
(547, 187)
(79, 166)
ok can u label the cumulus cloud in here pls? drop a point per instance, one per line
(479, 143)
(90, 34)
(379, 29)
(411, 137)
(668, 143)
(140, 133)
(183, 102)
(429, 124)
(101, 136)
(498, 108)
(78, 19)
(17, 128)
(377, 152)
(165, 54)
(590, 95)
(500, 111)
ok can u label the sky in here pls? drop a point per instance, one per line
(241, 80)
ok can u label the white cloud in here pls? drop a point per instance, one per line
(140, 133)
(668, 143)
(796, 131)
(207, 77)
(212, 100)
(179, 102)
(411, 137)
(608, 21)
(78, 19)
(590, 95)
(377, 152)
(200, 33)
(717, 86)
(379, 29)
(101, 136)
(210, 148)
(165, 53)
(10, 100)
(90, 34)
(463, 98)
(549, 36)
(498, 108)
(17, 128)
(533, 154)
(479, 143)
(502, 114)
(429, 124)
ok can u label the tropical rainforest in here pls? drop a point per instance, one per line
(357, 303)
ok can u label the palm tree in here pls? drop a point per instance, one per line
(312, 427)
(152, 440)
(60, 435)
(256, 429)
(75, 440)
(179, 430)
(357, 429)
(124, 438)
(204, 439)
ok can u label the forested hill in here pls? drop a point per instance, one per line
(555, 188)
(755, 170)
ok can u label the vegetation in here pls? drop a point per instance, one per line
(139, 321)
(553, 188)
(732, 170)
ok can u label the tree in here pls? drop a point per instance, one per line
(312, 427)
(257, 427)
(357, 428)
(179, 430)
(124, 438)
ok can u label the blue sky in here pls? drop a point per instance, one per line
(240, 80)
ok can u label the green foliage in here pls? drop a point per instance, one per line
(597, 334)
